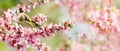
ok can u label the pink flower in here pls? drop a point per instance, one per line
(40, 18)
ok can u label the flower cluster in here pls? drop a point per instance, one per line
(105, 21)
(40, 18)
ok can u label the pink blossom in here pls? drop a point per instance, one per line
(40, 18)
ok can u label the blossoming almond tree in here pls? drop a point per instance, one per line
(22, 37)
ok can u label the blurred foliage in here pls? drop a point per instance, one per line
(5, 4)
(54, 41)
